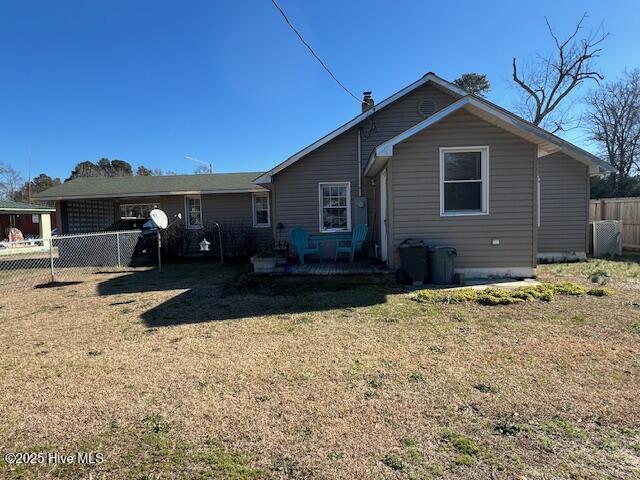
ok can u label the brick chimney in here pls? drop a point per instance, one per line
(367, 101)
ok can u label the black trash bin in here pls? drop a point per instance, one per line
(441, 265)
(413, 259)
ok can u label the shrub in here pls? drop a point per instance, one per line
(501, 296)
(600, 292)
(497, 296)
(173, 240)
(569, 288)
(447, 296)
(238, 239)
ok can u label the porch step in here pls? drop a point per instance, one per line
(329, 272)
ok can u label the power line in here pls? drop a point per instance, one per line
(286, 19)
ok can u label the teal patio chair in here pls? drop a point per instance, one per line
(300, 240)
(355, 244)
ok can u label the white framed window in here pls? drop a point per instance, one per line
(464, 181)
(261, 210)
(136, 210)
(193, 211)
(335, 206)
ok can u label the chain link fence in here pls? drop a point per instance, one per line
(68, 257)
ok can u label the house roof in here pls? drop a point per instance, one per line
(429, 77)
(9, 206)
(108, 187)
(547, 142)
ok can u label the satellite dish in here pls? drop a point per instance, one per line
(159, 218)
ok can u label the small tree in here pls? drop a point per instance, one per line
(474, 83)
(38, 184)
(613, 121)
(10, 181)
(143, 171)
(550, 79)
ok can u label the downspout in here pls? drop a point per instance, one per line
(359, 161)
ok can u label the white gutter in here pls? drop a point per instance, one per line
(27, 210)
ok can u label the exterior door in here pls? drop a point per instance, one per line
(384, 244)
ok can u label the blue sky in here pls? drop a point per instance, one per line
(227, 82)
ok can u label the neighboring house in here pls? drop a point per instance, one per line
(31, 220)
(93, 204)
(429, 162)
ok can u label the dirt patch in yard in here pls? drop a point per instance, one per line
(179, 375)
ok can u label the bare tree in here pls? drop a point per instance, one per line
(613, 121)
(10, 181)
(550, 79)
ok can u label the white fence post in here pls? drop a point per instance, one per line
(53, 278)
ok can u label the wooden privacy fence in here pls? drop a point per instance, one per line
(626, 210)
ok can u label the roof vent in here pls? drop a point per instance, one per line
(427, 107)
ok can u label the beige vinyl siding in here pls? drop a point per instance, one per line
(296, 188)
(172, 205)
(389, 122)
(227, 209)
(415, 191)
(564, 192)
(236, 210)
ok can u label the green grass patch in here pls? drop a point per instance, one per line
(229, 464)
(634, 327)
(468, 451)
(562, 428)
(156, 424)
(394, 462)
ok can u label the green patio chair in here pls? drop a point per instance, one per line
(300, 240)
(357, 239)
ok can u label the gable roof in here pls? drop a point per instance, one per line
(107, 187)
(547, 142)
(9, 206)
(429, 77)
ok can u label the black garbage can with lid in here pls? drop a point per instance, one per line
(441, 265)
(413, 259)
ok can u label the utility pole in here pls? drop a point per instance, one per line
(29, 175)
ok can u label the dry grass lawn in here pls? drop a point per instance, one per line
(175, 376)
